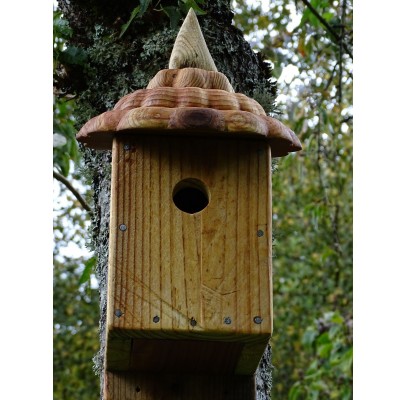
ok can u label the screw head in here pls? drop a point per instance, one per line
(257, 319)
(193, 322)
(122, 227)
(127, 147)
(227, 320)
(118, 313)
(155, 319)
(260, 233)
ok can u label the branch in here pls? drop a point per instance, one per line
(328, 27)
(341, 52)
(331, 77)
(81, 200)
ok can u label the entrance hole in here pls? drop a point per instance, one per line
(190, 195)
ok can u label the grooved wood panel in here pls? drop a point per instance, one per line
(178, 276)
(136, 386)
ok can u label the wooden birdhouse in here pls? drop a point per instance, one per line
(189, 278)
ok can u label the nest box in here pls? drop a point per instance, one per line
(189, 276)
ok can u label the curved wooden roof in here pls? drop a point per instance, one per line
(189, 101)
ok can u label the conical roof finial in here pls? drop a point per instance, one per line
(190, 49)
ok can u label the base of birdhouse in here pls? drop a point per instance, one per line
(149, 386)
(227, 356)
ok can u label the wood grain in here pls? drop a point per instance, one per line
(170, 97)
(98, 132)
(190, 77)
(176, 276)
(137, 386)
(190, 49)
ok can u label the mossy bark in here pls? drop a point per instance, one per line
(116, 66)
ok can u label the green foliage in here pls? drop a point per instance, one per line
(329, 374)
(134, 13)
(65, 144)
(75, 333)
(64, 54)
(76, 310)
(174, 13)
(76, 314)
(312, 195)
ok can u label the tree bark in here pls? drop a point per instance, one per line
(116, 66)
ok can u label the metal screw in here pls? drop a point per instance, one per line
(193, 322)
(155, 319)
(227, 320)
(127, 147)
(122, 227)
(118, 313)
(257, 319)
(260, 233)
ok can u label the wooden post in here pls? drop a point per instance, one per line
(189, 309)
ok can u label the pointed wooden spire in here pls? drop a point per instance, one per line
(190, 49)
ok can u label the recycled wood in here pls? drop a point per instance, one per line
(177, 277)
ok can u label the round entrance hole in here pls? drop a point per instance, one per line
(190, 195)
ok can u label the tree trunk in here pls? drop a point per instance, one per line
(116, 66)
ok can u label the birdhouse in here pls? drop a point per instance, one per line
(189, 276)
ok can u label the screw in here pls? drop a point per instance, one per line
(118, 313)
(227, 320)
(260, 233)
(122, 227)
(257, 319)
(193, 322)
(155, 319)
(127, 147)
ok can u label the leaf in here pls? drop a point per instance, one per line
(294, 391)
(324, 350)
(174, 15)
(308, 337)
(314, 375)
(134, 13)
(188, 4)
(344, 361)
(62, 162)
(337, 319)
(347, 393)
(323, 115)
(74, 150)
(62, 28)
(301, 46)
(73, 55)
(89, 264)
(313, 367)
(328, 16)
(323, 339)
(144, 5)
